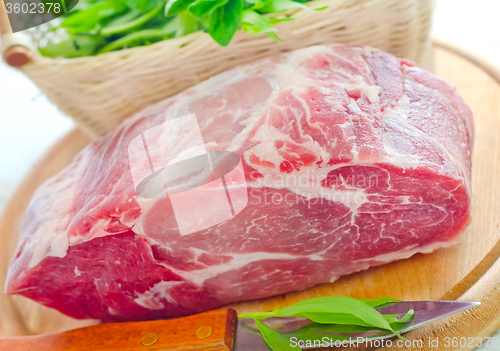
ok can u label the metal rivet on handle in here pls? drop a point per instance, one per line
(204, 332)
(149, 339)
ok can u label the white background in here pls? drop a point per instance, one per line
(29, 124)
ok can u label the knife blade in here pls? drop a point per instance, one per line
(215, 330)
(426, 312)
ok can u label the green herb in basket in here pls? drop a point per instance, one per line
(97, 26)
(331, 314)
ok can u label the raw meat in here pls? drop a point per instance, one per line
(352, 158)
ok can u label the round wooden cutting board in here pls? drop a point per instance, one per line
(468, 270)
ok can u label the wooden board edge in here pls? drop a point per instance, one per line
(487, 66)
(464, 331)
(487, 265)
(484, 280)
(25, 191)
(491, 258)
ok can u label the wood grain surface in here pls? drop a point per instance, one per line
(467, 270)
(209, 331)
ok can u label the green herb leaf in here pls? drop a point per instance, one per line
(225, 20)
(259, 4)
(126, 23)
(124, 18)
(173, 26)
(258, 315)
(332, 316)
(317, 328)
(84, 5)
(279, 20)
(144, 5)
(132, 39)
(391, 318)
(337, 310)
(282, 5)
(316, 332)
(132, 24)
(274, 340)
(254, 23)
(75, 46)
(407, 316)
(403, 323)
(187, 24)
(380, 301)
(177, 6)
(204, 7)
(84, 21)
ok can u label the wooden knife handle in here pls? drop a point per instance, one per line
(210, 331)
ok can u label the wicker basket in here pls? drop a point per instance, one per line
(100, 91)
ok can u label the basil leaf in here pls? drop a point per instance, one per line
(128, 23)
(87, 20)
(367, 320)
(380, 301)
(125, 27)
(125, 18)
(75, 46)
(254, 23)
(400, 326)
(259, 315)
(391, 318)
(279, 20)
(316, 328)
(274, 340)
(407, 316)
(225, 20)
(177, 6)
(204, 7)
(258, 4)
(331, 316)
(84, 5)
(134, 39)
(337, 310)
(187, 24)
(282, 5)
(143, 5)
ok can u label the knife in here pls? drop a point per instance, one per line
(217, 330)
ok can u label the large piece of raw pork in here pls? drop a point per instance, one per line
(271, 177)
